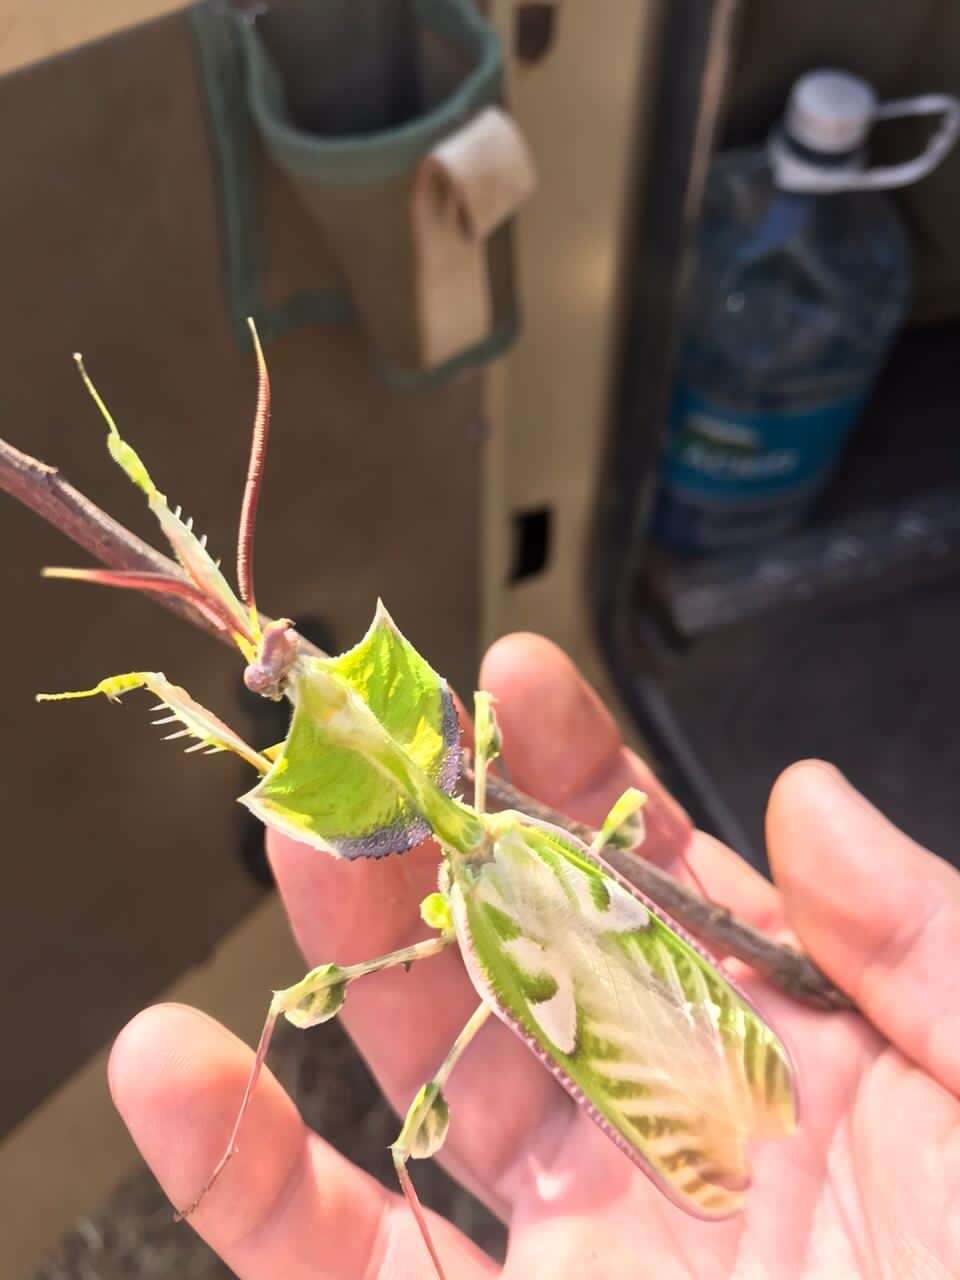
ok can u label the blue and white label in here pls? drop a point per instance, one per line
(745, 472)
(752, 454)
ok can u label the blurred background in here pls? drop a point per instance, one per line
(685, 403)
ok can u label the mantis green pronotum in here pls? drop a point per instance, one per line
(626, 1011)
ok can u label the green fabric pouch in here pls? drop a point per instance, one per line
(367, 174)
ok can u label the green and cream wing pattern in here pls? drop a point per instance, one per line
(671, 1061)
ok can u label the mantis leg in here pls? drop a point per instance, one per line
(190, 718)
(623, 829)
(316, 998)
(425, 1128)
(487, 745)
(623, 826)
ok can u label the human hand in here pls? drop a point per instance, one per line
(869, 1186)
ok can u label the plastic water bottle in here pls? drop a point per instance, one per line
(803, 279)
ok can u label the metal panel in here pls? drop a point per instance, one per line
(584, 105)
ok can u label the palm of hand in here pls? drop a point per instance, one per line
(870, 1186)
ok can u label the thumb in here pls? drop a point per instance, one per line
(877, 912)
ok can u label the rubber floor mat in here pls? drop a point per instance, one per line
(872, 687)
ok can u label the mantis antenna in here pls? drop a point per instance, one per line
(251, 492)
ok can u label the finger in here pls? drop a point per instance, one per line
(879, 913)
(562, 746)
(732, 883)
(287, 1204)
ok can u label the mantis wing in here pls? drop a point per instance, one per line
(631, 1017)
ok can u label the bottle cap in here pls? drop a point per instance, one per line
(820, 147)
(830, 112)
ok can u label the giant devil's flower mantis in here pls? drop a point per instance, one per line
(627, 1012)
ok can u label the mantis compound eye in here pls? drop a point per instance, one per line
(278, 652)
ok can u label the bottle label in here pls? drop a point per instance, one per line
(742, 455)
(730, 476)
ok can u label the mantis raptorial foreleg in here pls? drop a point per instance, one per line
(425, 1128)
(316, 998)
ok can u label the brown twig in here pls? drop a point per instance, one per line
(44, 490)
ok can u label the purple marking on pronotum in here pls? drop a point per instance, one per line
(450, 770)
(399, 838)
(403, 836)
